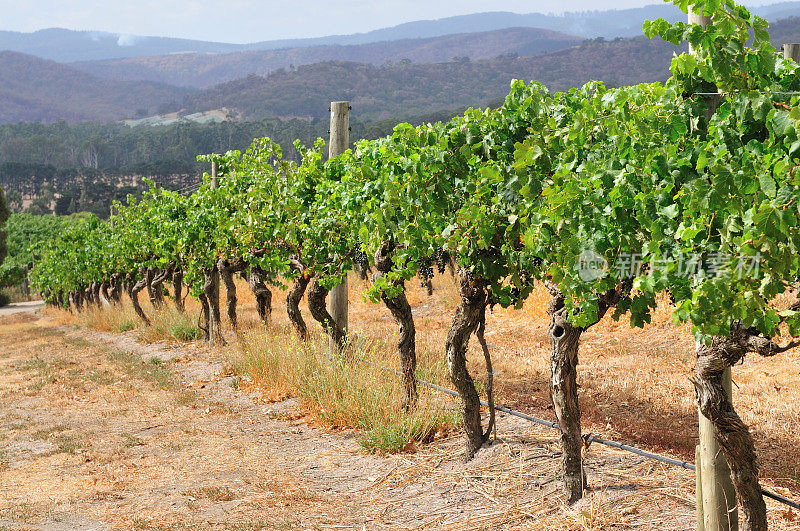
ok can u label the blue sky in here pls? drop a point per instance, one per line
(254, 20)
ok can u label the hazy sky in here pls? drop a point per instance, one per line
(253, 20)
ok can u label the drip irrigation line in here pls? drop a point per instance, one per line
(731, 93)
(181, 189)
(588, 439)
(192, 187)
(188, 191)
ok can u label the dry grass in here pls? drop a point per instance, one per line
(168, 324)
(634, 384)
(352, 391)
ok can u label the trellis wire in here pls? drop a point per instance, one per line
(588, 439)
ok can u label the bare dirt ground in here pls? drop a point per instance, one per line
(98, 431)
(21, 307)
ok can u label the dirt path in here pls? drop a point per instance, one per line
(98, 431)
(21, 307)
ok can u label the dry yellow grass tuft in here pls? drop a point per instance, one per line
(351, 391)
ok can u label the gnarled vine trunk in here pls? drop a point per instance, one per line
(150, 275)
(363, 270)
(406, 344)
(117, 282)
(256, 279)
(466, 321)
(293, 299)
(133, 293)
(211, 291)
(227, 268)
(479, 334)
(76, 299)
(96, 287)
(226, 274)
(156, 285)
(105, 296)
(730, 431)
(564, 339)
(317, 295)
(177, 288)
(205, 313)
(88, 294)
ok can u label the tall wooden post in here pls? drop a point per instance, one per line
(214, 171)
(716, 497)
(792, 51)
(338, 144)
(697, 19)
(215, 321)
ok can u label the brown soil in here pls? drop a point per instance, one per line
(21, 307)
(99, 431)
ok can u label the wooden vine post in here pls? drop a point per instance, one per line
(715, 494)
(792, 51)
(338, 144)
(214, 171)
(214, 321)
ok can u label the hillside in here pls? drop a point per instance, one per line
(786, 30)
(407, 89)
(203, 70)
(33, 89)
(70, 46)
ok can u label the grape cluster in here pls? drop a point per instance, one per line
(425, 270)
(442, 257)
(537, 261)
(360, 258)
(626, 287)
(672, 298)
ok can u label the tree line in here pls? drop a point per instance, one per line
(66, 168)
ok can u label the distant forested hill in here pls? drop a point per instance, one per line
(202, 70)
(785, 30)
(33, 89)
(407, 89)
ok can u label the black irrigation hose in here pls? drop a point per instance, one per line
(726, 93)
(587, 438)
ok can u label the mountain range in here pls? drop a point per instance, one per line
(403, 90)
(399, 78)
(70, 46)
(203, 70)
